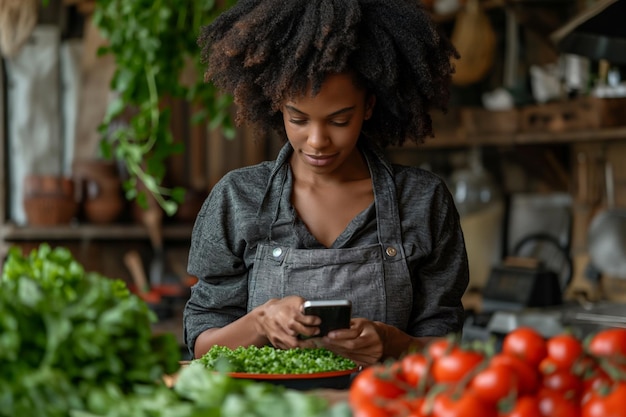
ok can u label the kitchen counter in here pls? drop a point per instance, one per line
(579, 318)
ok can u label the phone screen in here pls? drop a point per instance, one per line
(335, 314)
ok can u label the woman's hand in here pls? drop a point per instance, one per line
(362, 342)
(281, 321)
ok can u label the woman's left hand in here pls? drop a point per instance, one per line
(361, 343)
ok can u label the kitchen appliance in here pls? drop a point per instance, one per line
(534, 274)
(515, 287)
(519, 283)
(539, 226)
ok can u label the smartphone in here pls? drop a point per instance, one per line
(335, 314)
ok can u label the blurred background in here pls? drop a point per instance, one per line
(533, 146)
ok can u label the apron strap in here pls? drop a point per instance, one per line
(386, 202)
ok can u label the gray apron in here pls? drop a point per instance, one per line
(375, 277)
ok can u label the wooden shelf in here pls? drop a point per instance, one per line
(12, 232)
(449, 139)
(574, 136)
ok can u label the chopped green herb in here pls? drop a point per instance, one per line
(268, 360)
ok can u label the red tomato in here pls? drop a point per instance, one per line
(374, 384)
(599, 404)
(415, 367)
(453, 366)
(467, 404)
(565, 382)
(526, 343)
(439, 347)
(527, 376)
(554, 404)
(494, 383)
(608, 342)
(564, 350)
(526, 406)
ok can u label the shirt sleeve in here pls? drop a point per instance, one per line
(216, 255)
(439, 271)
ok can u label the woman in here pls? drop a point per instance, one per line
(330, 217)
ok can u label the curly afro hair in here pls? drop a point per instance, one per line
(263, 51)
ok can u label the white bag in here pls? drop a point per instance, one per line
(34, 127)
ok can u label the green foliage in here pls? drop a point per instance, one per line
(201, 393)
(71, 339)
(152, 42)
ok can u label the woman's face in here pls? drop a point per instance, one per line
(324, 129)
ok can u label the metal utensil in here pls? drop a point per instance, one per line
(607, 234)
(133, 262)
(153, 299)
(152, 218)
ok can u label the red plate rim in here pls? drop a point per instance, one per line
(316, 375)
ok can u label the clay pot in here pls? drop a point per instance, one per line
(100, 190)
(104, 202)
(49, 200)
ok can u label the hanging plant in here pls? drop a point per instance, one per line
(153, 41)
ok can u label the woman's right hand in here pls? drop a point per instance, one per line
(362, 343)
(282, 320)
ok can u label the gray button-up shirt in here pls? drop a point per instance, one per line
(228, 230)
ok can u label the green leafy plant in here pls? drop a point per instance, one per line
(153, 42)
(69, 337)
